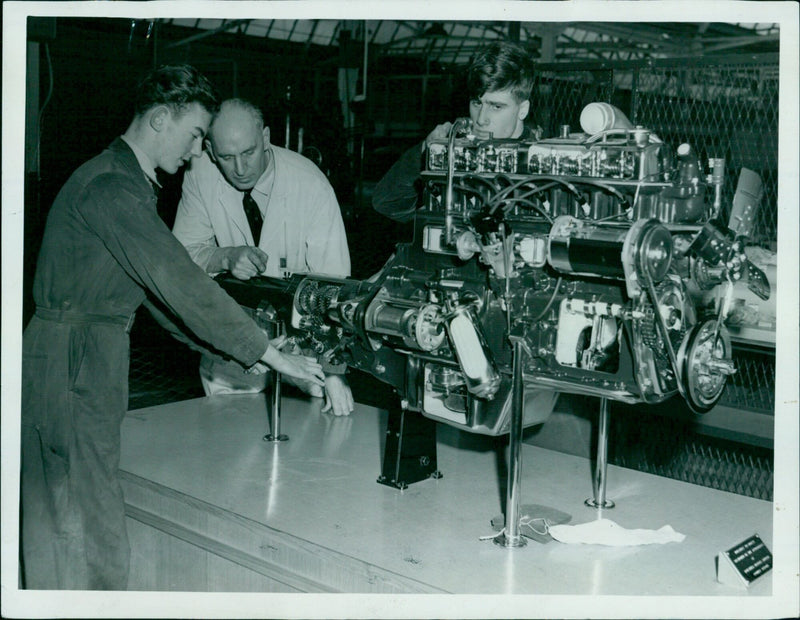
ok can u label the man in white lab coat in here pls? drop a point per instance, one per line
(251, 208)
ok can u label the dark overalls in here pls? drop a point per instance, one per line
(104, 246)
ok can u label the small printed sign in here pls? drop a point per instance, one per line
(745, 562)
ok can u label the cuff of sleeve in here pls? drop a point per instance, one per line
(254, 350)
(333, 369)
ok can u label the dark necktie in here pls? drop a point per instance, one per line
(253, 214)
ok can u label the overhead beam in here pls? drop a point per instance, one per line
(549, 35)
(209, 33)
(549, 39)
(375, 32)
(589, 47)
(392, 44)
(638, 34)
(740, 42)
(311, 35)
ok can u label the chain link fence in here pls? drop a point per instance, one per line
(752, 386)
(724, 107)
(670, 447)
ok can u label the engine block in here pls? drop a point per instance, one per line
(591, 250)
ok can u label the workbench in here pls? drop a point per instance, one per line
(214, 507)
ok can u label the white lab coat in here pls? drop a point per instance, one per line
(302, 223)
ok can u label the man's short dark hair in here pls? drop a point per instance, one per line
(502, 65)
(176, 86)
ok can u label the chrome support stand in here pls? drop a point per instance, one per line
(510, 536)
(275, 401)
(601, 465)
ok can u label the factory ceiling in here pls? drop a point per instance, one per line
(453, 42)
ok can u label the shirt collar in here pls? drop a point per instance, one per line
(265, 181)
(144, 161)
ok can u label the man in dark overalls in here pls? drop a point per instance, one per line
(104, 247)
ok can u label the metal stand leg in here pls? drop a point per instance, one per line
(510, 536)
(599, 483)
(275, 411)
(275, 402)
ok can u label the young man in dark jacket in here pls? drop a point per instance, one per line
(104, 247)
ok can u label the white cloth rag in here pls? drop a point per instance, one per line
(606, 532)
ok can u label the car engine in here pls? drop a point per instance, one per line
(591, 249)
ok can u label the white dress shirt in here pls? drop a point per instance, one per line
(303, 230)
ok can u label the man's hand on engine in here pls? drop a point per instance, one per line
(260, 368)
(338, 396)
(440, 132)
(301, 368)
(245, 261)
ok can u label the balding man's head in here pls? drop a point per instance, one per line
(237, 114)
(238, 143)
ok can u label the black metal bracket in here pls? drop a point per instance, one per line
(410, 449)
